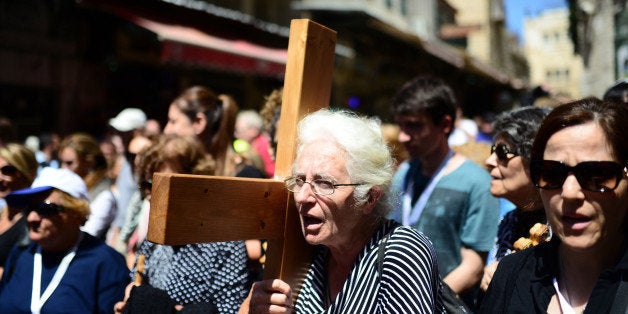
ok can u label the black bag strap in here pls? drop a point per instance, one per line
(380, 253)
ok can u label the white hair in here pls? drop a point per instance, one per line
(251, 119)
(368, 157)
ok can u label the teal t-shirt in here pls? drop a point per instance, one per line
(460, 211)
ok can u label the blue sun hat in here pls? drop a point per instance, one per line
(48, 179)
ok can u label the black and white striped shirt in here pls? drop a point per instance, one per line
(409, 282)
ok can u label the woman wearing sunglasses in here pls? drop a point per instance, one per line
(509, 166)
(18, 168)
(579, 163)
(63, 270)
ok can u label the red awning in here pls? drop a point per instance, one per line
(186, 45)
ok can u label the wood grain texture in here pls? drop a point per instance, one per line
(192, 209)
(307, 88)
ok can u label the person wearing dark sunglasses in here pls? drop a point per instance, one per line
(18, 168)
(509, 166)
(579, 164)
(63, 269)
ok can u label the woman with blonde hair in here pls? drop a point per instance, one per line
(18, 169)
(82, 154)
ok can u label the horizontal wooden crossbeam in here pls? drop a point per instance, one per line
(247, 209)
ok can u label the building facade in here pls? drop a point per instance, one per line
(481, 24)
(551, 54)
(69, 66)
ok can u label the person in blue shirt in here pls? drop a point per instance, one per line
(64, 270)
(442, 194)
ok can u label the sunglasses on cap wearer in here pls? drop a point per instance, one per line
(8, 170)
(502, 152)
(595, 176)
(43, 209)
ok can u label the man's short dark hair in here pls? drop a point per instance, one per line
(429, 94)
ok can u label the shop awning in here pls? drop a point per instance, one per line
(189, 46)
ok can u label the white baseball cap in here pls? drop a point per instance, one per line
(128, 119)
(48, 179)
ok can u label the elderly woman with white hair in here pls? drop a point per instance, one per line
(363, 262)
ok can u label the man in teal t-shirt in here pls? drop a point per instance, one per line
(443, 194)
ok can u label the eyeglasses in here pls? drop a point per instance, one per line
(319, 186)
(8, 170)
(502, 151)
(44, 208)
(595, 176)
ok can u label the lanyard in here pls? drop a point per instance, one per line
(411, 214)
(36, 301)
(565, 307)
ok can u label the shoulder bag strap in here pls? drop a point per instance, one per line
(380, 253)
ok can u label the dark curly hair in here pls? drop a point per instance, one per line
(519, 127)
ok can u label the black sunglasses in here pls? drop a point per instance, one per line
(502, 151)
(8, 170)
(595, 176)
(44, 208)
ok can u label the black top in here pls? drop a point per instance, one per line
(17, 234)
(516, 224)
(523, 282)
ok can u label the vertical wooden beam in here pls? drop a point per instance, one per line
(307, 88)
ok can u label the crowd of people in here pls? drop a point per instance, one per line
(401, 221)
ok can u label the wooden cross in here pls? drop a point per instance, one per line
(195, 209)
